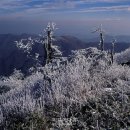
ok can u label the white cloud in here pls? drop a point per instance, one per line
(102, 9)
(13, 4)
(56, 6)
(108, 1)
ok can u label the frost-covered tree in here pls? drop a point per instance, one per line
(48, 42)
(25, 45)
(113, 50)
(86, 93)
(100, 31)
(32, 47)
(51, 51)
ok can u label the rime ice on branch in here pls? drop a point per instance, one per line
(50, 50)
(113, 50)
(101, 44)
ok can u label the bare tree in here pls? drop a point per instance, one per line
(48, 41)
(113, 50)
(100, 31)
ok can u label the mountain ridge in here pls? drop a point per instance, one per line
(12, 58)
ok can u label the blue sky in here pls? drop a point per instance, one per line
(76, 17)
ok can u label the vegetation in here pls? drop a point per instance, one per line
(83, 91)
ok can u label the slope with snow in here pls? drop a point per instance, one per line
(87, 91)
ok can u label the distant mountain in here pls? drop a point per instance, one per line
(108, 38)
(68, 43)
(11, 57)
(9, 38)
(122, 42)
(119, 46)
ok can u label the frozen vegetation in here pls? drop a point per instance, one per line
(123, 57)
(85, 91)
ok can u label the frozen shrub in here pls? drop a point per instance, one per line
(83, 91)
(123, 57)
(87, 89)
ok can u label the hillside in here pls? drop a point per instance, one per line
(11, 57)
(84, 91)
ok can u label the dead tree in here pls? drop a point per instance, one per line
(100, 31)
(48, 42)
(113, 50)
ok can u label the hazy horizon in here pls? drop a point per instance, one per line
(73, 17)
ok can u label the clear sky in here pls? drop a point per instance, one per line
(76, 17)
